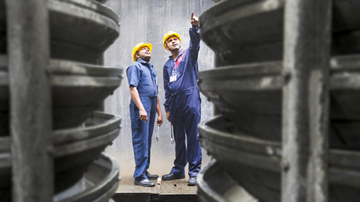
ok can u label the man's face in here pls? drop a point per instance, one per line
(145, 52)
(173, 43)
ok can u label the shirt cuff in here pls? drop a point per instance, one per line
(195, 27)
(132, 85)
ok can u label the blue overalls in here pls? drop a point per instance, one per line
(182, 99)
(142, 75)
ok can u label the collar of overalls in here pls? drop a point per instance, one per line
(144, 62)
(181, 52)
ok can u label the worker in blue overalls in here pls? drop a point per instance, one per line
(144, 104)
(182, 101)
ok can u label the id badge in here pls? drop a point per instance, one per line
(173, 77)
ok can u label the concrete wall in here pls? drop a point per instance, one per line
(147, 21)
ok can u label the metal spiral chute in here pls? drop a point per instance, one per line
(80, 32)
(246, 86)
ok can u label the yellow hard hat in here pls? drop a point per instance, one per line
(138, 47)
(168, 35)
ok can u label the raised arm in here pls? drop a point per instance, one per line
(194, 37)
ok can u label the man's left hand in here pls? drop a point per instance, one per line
(194, 19)
(159, 120)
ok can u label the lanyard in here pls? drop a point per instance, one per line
(179, 60)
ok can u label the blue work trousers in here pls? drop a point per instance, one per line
(141, 135)
(187, 123)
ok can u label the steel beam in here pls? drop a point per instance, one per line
(30, 100)
(306, 101)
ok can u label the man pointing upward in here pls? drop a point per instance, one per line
(182, 101)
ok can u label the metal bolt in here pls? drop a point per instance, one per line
(285, 165)
(286, 77)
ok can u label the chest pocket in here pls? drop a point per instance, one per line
(182, 66)
(145, 75)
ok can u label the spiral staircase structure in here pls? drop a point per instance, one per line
(247, 85)
(80, 31)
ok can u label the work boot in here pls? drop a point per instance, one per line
(150, 176)
(145, 183)
(192, 181)
(171, 176)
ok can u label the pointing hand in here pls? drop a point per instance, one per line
(194, 19)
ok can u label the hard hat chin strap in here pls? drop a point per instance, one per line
(143, 58)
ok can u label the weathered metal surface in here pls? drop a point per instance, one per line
(344, 15)
(101, 1)
(74, 150)
(255, 163)
(216, 185)
(98, 184)
(346, 42)
(261, 23)
(305, 107)
(30, 122)
(77, 30)
(4, 98)
(80, 30)
(77, 90)
(251, 97)
(298, 102)
(242, 31)
(252, 31)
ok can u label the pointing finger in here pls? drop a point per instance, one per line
(192, 15)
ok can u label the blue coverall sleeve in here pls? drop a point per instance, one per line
(166, 88)
(133, 75)
(194, 42)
